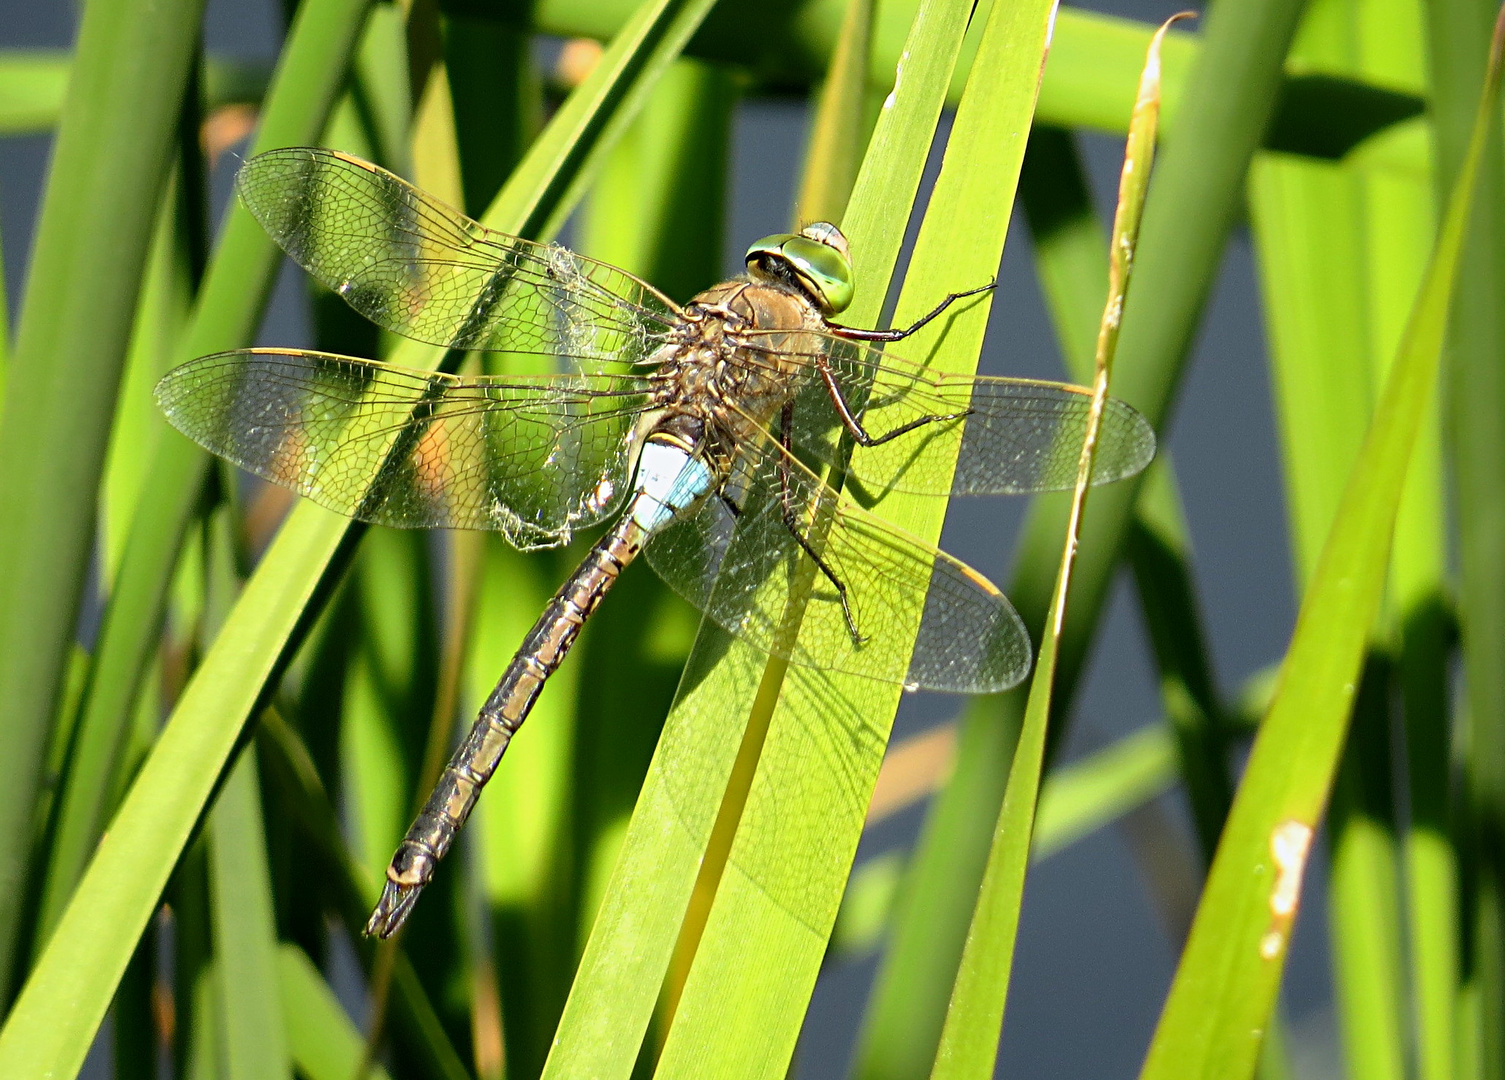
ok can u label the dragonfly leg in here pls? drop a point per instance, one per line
(858, 334)
(791, 522)
(853, 424)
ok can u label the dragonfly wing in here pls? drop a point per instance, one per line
(533, 458)
(422, 269)
(1006, 436)
(922, 618)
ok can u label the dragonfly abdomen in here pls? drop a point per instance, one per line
(476, 759)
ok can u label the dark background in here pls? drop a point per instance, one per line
(1094, 959)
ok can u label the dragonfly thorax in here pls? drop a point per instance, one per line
(735, 349)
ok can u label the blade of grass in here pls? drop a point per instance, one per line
(798, 833)
(75, 978)
(93, 234)
(1071, 259)
(245, 938)
(833, 159)
(1311, 236)
(1198, 191)
(839, 133)
(1075, 799)
(96, 768)
(658, 211)
(1228, 976)
(1475, 404)
(974, 1019)
(1400, 226)
(242, 927)
(33, 85)
(640, 916)
(323, 1041)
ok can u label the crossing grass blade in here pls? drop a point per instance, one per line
(1089, 83)
(1075, 801)
(833, 157)
(34, 82)
(1078, 799)
(1227, 979)
(73, 982)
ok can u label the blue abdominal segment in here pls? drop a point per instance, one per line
(669, 482)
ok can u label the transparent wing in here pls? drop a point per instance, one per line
(1008, 436)
(533, 458)
(419, 268)
(741, 567)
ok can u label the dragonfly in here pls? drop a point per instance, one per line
(706, 433)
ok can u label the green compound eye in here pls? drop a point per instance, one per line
(817, 256)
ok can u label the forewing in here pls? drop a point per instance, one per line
(1006, 436)
(533, 458)
(741, 568)
(422, 269)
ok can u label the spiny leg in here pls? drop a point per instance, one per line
(786, 501)
(857, 334)
(854, 426)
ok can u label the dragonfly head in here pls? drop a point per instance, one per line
(816, 259)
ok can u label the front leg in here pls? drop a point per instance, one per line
(853, 333)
